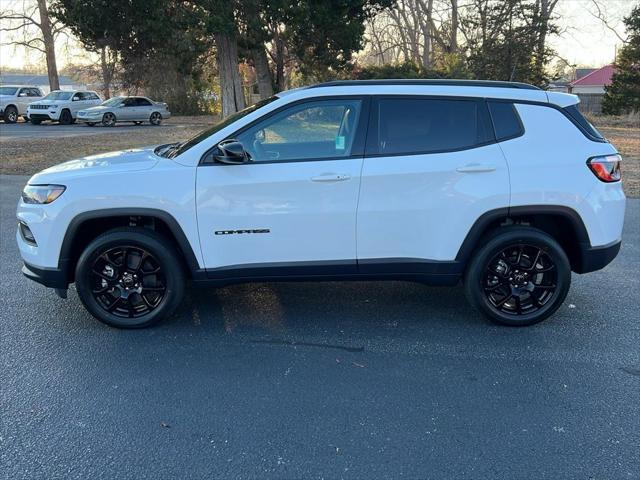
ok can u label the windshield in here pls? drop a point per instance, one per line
(8, 90)
(58, 96)
(112, 102)
(180, 148)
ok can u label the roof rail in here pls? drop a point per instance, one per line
(428, 82)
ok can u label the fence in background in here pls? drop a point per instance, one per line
(590, 102)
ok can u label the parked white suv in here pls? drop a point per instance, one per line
(14, 100)
(500, 185)
(62, 106)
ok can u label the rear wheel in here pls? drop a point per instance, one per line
(65, 117)
(519, 277)
(155, 118)
(130, 278)
(11, 114)
(108, 119)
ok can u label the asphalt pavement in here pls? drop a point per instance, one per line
(321, 380)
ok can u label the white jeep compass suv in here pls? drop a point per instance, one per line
(500, 185)
(61, 106)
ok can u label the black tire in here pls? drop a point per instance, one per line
(108, 119)
(158, 271)
(519, 276)
(155, 118)
(35, 122)
(10, 114)
(65, 117)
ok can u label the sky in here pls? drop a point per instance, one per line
(584, 40)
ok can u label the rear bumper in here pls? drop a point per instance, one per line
(49, 277)
(596, 258)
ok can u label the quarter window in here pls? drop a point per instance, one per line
(315, 130)
(424, 125)
(505, 120)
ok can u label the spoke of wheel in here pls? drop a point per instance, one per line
(495, 272)
(543, 270)
(115, 303)
(108, 261)
(153, 289)
(495, 287)
(518, 304)
(143, 257)
(519, 259)
(545, 287)
(101, 290)
(504, 300)
(535, 261)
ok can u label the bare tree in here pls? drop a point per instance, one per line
(30, 26)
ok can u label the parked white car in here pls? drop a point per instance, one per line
(125, 109)
(502, 186)
(61, 106)
(14, 100)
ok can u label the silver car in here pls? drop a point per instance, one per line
(125, 109)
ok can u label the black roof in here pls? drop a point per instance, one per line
(443, 82)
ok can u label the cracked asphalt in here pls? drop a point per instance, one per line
(321, 380)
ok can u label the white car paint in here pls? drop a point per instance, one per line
(413, 206)
(23, 96)
(51, 109)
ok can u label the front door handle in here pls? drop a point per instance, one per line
(331, 177)
(476, 168)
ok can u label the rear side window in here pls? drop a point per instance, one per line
(143, 102)
(583, 123)
(506, 121)
(424, 125)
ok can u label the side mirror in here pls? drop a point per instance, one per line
(231, 153)
(22, 94)
(75, 99)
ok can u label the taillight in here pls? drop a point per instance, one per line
(606, 168)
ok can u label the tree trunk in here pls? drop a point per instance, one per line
(261, 64)
(107, 73)
(230, 83)
(279, 60)
(49, 45)
(454, 26)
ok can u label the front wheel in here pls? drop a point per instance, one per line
(519, 277)
(66, 118)
(130, 278)
(155, 118)
(108, 119)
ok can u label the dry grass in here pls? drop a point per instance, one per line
(624, 133)
(27, 156)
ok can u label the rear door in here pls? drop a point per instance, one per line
(143, 109)
(292, 208)
(431, 169)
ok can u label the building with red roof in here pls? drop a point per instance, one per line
(593, 82)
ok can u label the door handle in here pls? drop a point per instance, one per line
(476, 168)
(331, 177)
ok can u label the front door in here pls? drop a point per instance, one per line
(292, 207)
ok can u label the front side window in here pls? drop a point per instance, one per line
(112, 102)
(314, 130)
(409, 126)
(129, 102)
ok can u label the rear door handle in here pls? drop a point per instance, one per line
(476, 168)
(331, 177)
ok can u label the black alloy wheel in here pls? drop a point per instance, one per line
(520, 276)
(130, 277)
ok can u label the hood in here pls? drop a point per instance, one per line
(96, 109)
(49, 102)
(104, 163)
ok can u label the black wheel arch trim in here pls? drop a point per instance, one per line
(588, 258)
(64, 261)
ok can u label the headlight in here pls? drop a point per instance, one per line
(41, 194)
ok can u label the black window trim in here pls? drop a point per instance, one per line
(357, 149)
(372, 139)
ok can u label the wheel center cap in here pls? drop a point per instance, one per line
(520, 277)
(127, 279)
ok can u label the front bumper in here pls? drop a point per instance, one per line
(43, 115)
(49, 277)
